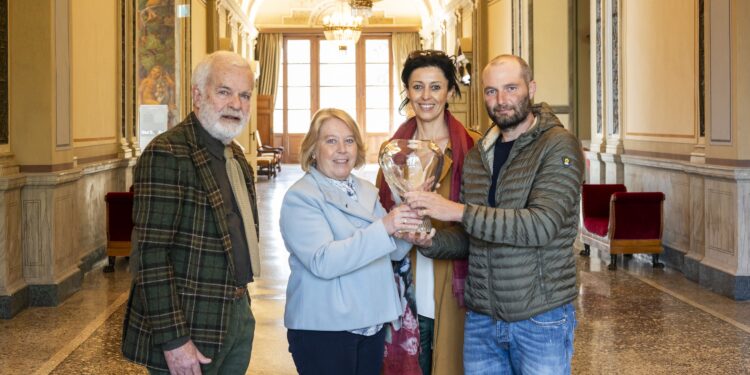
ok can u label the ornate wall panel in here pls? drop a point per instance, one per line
(721, 206)
(720, 72)
(34, 260)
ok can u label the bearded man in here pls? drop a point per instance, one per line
(519, 218)
(196, 234)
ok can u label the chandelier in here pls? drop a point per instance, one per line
(342, 26)
(361, 8)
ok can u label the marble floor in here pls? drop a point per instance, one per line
(635, 320)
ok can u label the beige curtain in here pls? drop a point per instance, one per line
(269, 55)
(401, 45)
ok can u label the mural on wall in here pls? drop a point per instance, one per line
(156, 58)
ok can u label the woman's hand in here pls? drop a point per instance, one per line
(401, 218)
(420, 239)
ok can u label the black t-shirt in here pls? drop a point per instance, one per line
(502, 150)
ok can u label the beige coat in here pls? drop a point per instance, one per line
(448, 344)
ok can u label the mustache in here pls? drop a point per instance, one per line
(231, 113)
(503, 107)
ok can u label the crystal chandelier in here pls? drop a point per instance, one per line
(342, 26)
(361, 8)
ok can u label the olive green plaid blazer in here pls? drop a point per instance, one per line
(185, 282)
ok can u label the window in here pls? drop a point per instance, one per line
(338, 77)
(378, 85)
(318, 73)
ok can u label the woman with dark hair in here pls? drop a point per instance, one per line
(434, 315)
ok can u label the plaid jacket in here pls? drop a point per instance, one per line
(186, 282)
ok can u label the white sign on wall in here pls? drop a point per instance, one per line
(153, 121)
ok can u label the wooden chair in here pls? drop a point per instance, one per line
(119, 226)
(622, 222)
(267, 166)
(276, 153)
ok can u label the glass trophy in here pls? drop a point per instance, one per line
(411, 165)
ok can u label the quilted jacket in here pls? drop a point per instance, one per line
(520, 252)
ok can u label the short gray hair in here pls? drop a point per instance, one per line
(203, 70)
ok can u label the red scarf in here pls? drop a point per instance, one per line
(461, 143)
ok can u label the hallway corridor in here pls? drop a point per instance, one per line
(635, 320)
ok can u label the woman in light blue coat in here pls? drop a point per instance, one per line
(341, 242)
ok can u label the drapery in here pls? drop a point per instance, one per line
(269, 55)
(401, 45)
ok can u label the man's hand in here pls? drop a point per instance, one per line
(435, 206)
(185, 360)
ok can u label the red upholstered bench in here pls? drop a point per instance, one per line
(622, 222)
(119, 225)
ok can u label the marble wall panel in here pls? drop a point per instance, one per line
(13, 241)
(36, 261)
(676, 188)
(43, 219)
(92, 229)
(594, 168)
(11, 263)
(697, 217)
(676, 210)
(96, 182)
(743, 225)
(721, 224)
(614, 172)
(65, 236)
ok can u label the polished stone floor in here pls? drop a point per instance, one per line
(635, 320)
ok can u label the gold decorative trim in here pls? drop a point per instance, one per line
(45, 168)
(94, 139)
(660, 135)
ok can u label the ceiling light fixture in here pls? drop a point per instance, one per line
(361, 8)
(342, 26)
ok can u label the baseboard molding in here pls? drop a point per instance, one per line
(54, 294)
(14, 303)
(717, 281)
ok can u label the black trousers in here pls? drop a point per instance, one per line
(337, 352)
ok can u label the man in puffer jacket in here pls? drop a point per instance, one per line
(519, 215)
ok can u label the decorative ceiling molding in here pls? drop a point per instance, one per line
(379, 18)
(297, 17)
(237, 11)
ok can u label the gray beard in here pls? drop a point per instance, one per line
(211, 121)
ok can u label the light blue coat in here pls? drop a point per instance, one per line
(340, 257)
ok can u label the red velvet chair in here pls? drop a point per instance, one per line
(119, 226)
(622, 222)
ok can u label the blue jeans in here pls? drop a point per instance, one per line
(542, 344)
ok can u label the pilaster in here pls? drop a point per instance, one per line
(13, 288)
(50, 240)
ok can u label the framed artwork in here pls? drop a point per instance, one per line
(156, 58)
